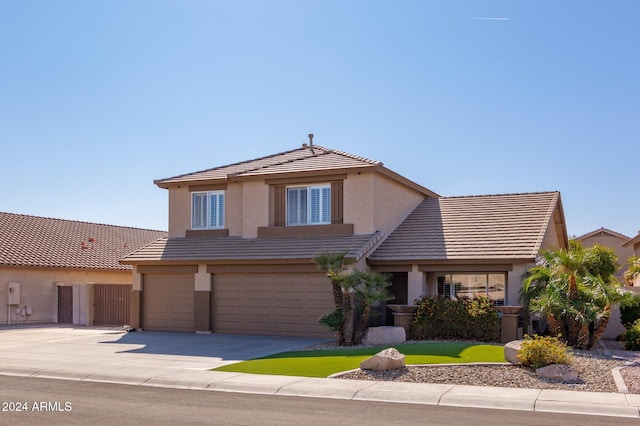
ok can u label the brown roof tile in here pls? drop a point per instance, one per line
(301, 159)
(510, 226)
(237, 248)
(56, 243)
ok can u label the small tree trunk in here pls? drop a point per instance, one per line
(555, 326)
(347, 312)
(572, 294)
(362, 324)
(573, 330)
(583, 337)
(598, 331)
(337, 299)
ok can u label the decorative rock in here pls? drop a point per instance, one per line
(511, 351)
(558, 373)
(388, 359)
(384, 335)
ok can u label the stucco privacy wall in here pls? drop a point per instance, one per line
(39, 291)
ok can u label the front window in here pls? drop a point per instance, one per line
(309, 205)
(207, 210)
(469, 285)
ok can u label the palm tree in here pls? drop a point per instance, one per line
(373, 288)
(633, 270)
(574, 289)
(334, 264)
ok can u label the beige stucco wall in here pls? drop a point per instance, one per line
(39, 291)
(179, 211)
(393, 202)
(359, 202)
(255, 207)
(374, 202)
(233, 213)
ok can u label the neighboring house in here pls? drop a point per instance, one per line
(618, 242)
(608, 238)
(242, 237)
(634, 245)
(64, 271)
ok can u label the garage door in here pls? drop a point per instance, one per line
(271, 304)
(168, 303)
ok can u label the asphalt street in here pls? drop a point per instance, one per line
(65, 402)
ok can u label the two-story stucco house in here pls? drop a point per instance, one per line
(242, 238)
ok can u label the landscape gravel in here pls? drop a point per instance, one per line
(594, 373)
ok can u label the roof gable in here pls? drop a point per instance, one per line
(35, 241)
(510, 226)
(302, 159)
(603, 231)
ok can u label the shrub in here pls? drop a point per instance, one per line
(540, 351)
(631, 337)
(460, 319)
(630, 312)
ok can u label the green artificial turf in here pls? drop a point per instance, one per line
(322, 363)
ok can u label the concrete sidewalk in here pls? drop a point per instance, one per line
(179, 360)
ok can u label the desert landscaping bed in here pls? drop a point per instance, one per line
(594, 373)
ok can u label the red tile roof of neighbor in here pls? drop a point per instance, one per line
(510, 226)
(254, 249)
(57, 243)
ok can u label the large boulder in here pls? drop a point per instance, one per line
(558, 373)
(388, 359)
(385, 335)
(511, 351)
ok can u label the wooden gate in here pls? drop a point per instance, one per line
(65, 305)
(112, 304)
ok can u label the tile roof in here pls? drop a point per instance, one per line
(301, 159)
(56, 243)
(510, 226)
(237, 248)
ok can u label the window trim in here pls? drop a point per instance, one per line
(309, 213)
(220, 213)
(452, 294)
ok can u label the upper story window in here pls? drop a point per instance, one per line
(207, 210)
(309, 205)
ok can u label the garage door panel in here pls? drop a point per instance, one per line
(168, 302)
(277, 304)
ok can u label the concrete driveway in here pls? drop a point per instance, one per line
(80, 352)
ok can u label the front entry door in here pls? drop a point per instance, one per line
(65, 305)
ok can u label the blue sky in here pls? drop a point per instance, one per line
(99, 98)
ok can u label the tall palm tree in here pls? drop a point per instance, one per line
(334, 264)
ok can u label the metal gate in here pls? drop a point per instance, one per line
(112, 304)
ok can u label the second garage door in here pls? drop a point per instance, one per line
(271, 304)
(168, 303)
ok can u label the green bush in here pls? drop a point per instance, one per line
(459, 319)
(630, 312)
(540, 351)
(632, 337)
